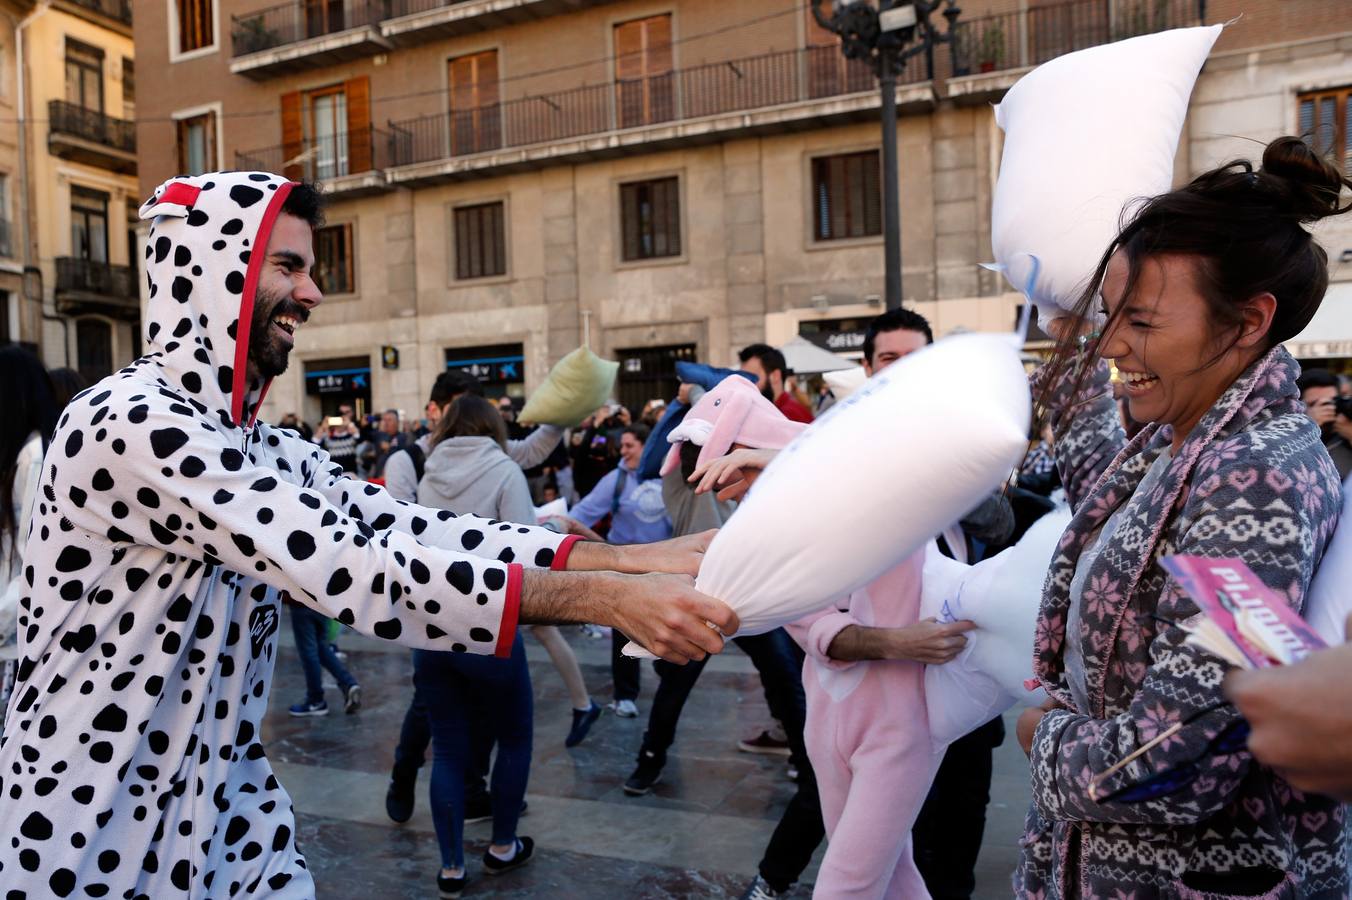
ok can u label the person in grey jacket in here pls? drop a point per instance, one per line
(401, 474)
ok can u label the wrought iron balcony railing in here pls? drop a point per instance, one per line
(322, 159)
(86, 276)
(91, 125)
(300, 20)
(117, 10)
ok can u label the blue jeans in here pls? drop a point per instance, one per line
(414, 738)
(312, 643)
(460, 688)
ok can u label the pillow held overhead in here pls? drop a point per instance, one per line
(577, 386)
(1085, 135)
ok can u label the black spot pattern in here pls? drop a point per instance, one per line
(152, 618)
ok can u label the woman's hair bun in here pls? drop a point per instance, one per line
(1302, 183)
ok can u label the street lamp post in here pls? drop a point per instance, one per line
(879, 35)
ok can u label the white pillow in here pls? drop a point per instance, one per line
(1002, 596)
(1329, 602)
(1085, 135)
(872, 481)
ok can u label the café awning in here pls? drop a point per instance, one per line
(1329, 334)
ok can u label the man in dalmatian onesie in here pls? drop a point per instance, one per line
(168, 521)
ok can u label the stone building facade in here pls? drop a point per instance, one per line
(660, 180)
(70, 193)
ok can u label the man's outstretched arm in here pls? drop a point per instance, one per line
(662, 612)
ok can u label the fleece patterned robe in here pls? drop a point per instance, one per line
(1252, 480)
(167, 522)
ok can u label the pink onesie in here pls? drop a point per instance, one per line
(867, 735)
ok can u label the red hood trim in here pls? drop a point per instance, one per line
(246, 303)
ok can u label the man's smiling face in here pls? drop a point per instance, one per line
(285, 297)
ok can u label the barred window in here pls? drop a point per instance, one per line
(334, 271)
(650, 219)
(1326, 125)
(846, 196)
(480, 241)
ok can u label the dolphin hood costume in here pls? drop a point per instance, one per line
(167, 521)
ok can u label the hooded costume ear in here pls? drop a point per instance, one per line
(173, 198)
(735, 412)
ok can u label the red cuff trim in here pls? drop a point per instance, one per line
(561, 552)
(511, 610)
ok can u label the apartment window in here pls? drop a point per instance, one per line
(195, 22)
(644, 83)
(197, 144)
(89, 225)
(128, 89)
(84, 75)
(334, 272)
(476, 118)
(846, 196)
(650, 219)
(480, 241)
(1326, 125)
(94, 349)
(326, 133)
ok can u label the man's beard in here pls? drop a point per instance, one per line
(768, 392)
(268, 353)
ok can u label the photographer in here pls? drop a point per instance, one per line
(1332, 413)
(339, 436)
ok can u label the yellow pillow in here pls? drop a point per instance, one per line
(577, 386)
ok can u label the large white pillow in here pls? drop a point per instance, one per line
(872, 481)
(1085, 135)
(1002, 596)
(1329, 602)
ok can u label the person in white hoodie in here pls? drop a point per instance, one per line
(167, 520)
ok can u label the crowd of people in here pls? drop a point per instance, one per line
(152, 527)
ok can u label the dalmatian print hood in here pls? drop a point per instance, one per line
(168, 524)
(203, 256)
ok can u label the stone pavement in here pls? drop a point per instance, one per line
(700, 834)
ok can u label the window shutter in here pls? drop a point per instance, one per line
(818, 36)
(358, 92)
(657, 45)
(292, 135)
(181, 127)
(213, 164)
(629, 50)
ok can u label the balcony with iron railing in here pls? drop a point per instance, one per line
(349, 163)
(89, 286)
(302, 34)
(89, 136)
(772, 93)
(989, 53)
(117, 11)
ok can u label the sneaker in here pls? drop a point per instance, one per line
(479, 808)
(759, 890)
(494, 866)
(646, 774)
(338, 653)
(765, 742)
(309, 709)
(352, 699)
(792, 772)
(594, 632)
(625, 709)
(399, 801)
(449, 887)
(582, 723)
